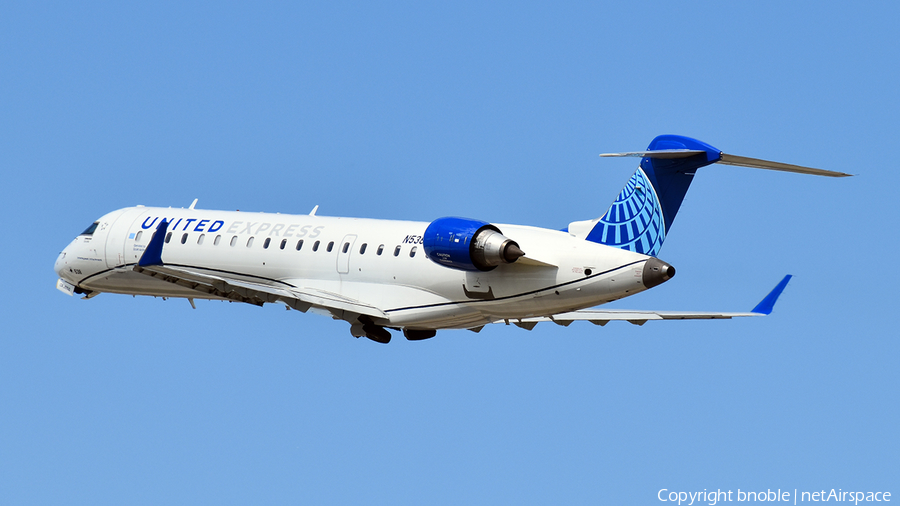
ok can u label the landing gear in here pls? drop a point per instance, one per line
(377, 333)
(366, 327)
(418, 335)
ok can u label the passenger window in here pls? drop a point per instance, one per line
(137, 238)
(266, 243)
(200, 239)
(168, 237)
(380, 249)
(217, 240)
(346, 247)
(397, 251)
(183, 238)
(412, 252)
(283, 243)
(234, 241)
(362, 249)
(330, 246)
(249, 242)
(316, 246)
(299, 244)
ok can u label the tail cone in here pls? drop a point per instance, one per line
(656, 272)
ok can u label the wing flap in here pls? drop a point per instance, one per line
(215, 286)
(329, 300)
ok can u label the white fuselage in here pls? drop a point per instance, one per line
(378, 262)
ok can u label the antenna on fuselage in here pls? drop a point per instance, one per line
(313, 212)
(194, 203)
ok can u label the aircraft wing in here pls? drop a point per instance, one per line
(604, 316)
(257, 293)
(240, 289)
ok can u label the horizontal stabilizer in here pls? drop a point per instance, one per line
(658, 153)
(756, 163)
(715, 156)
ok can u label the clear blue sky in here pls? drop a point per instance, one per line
(495, 112)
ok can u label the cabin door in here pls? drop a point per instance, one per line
(343, 258)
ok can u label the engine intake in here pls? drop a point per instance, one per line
(468, 245)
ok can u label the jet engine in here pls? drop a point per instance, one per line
(468, 245)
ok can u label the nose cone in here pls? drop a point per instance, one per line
(64, 262)
(656, 272)
(60, 264)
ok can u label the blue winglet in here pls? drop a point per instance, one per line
(153, 254)
(768, 303)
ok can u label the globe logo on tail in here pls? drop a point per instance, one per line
(634, 221)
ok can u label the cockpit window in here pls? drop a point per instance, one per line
(90, 230)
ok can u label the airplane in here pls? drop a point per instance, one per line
(412, 277)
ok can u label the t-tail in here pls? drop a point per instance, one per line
(642, 214)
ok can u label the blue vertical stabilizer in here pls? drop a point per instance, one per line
(643, 213)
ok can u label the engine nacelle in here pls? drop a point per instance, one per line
(468, 245)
